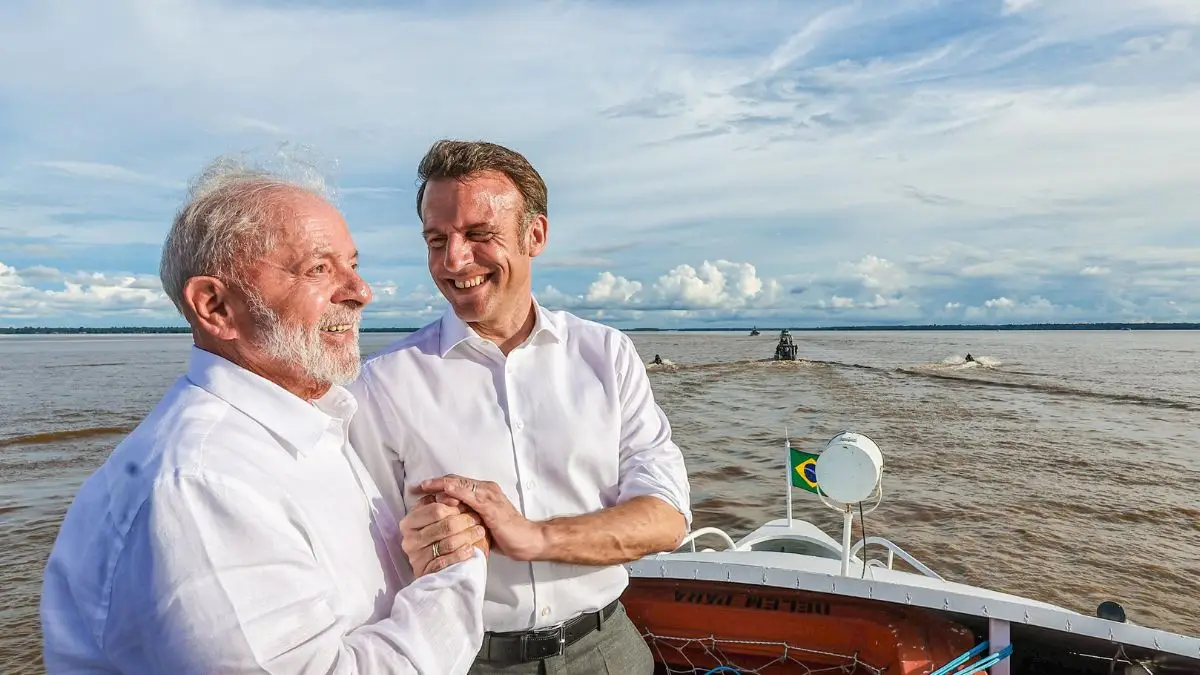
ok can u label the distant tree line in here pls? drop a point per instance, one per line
(134, 330)
(78, 330)
(1016, 326)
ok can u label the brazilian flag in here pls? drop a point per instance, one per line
(804, 470)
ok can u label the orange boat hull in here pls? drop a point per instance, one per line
(705, 624)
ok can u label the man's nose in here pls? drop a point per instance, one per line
(356, 288)
(458, 254)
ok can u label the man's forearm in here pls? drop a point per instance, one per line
(626, 532)
(620, 534)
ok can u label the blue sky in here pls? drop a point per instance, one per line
(709, 163)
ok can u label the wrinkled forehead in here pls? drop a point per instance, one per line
(306, 225)
(461, 203)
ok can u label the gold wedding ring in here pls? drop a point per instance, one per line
(435, 548)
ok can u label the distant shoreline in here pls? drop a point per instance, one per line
(162, 330)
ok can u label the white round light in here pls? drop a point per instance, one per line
(849, 467)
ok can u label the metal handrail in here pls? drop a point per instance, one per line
(691, 538)
(749, 544)
(894, 549)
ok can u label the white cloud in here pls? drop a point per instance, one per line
(797, 140)
(720, 286)
(612, 289)
(392, 302)
(9, 278)
(238, 123)
(803, 41)
(1014, 6)
(125, 298)
(104, 172)
(1033, 309)
(877, 273)
(40, 273)
(839, 302)
(954, 285)
(1145, 284)
(714, 285)
(574, 262)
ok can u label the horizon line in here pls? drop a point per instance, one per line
(1046, 326)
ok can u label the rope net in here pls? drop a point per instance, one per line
(695, 656)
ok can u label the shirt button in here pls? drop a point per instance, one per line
(529, 484)
(520, 424)
(545, 611)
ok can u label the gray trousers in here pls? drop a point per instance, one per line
(615, 649)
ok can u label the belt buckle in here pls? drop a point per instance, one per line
(535, 646)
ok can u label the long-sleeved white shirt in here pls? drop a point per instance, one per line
(235, 531)
(566, 424)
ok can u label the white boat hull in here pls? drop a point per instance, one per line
(798, 556)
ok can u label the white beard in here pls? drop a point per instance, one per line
(303, 347)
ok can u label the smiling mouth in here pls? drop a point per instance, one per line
(339, 328)
(464, 284)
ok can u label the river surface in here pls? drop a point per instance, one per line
(1061, 466)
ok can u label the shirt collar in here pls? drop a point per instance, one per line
(455, 331)
(296, 422)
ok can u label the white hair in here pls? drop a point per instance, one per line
(228, 220)
(302, 347)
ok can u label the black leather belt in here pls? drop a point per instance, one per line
(541, 643)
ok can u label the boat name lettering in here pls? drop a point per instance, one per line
(704, 598)
(768, 602)
(786, 604)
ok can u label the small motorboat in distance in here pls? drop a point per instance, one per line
(754, 331)
(786, 349)
(789, 598)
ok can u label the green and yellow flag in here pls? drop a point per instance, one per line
(804, 470)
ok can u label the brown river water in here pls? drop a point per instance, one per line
(1063, 467)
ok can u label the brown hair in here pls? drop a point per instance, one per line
(456, 160)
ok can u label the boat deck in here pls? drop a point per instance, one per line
(799, 556)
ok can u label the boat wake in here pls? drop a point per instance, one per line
(982, 372)
(57, 436)
(1051, 389)
(666, 365)
(957, 362)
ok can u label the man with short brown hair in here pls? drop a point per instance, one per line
(542, 422)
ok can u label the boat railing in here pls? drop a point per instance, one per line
(893, 550)
(690, 540)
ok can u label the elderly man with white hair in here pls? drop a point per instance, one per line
(234, 530)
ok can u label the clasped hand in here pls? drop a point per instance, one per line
(439, 532)
(511, 533)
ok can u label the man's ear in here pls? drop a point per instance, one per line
(211, 303)
(535, 237)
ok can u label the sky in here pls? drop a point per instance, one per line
(709, 164)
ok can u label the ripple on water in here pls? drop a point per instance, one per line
(1027, 477)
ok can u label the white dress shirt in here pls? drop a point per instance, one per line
(566, 425)
(234, 531)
